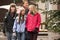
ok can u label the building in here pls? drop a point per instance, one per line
(44, 5)
(47, 6)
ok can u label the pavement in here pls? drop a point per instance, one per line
(2, 37)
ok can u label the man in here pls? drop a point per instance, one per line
(25, 5)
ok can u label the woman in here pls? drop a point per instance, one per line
(32, 23)
(19, 25)
(9, 21)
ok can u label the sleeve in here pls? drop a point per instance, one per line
(38, 21)
(5, 23)
(15, 26)
(26, 21)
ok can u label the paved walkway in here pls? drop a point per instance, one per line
(41, 36)
(2, 37)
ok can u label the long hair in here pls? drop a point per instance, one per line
(12, 5)
(34, 8)
(20, 17)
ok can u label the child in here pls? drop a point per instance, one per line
(32, 23)
(19, 25)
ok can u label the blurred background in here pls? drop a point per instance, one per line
(50, 16)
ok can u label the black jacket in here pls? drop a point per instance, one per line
(26, 11)
(8, 23)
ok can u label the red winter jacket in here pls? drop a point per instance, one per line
(33, 22)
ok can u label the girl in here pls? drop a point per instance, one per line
(9, 21)
(19, 25)
(32, 23)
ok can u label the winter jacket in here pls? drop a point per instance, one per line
(26, 11)
(33, 21)
(8, 22)
(18, 27)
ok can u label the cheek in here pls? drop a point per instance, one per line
(30, 9)
(12, 8)
(27, 5)
(18, 11)
(23, 12)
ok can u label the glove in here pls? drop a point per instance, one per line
(36, 30)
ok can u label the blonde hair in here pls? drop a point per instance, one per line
(34, 8)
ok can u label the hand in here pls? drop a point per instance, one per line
(25, 29)
(36, 30)
(14, 34)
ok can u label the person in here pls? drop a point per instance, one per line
(25, 5)
(9, 21)
(19, 25)
(33, 21)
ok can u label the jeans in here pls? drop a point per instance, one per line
(14, 38)
(21, 36)
(9, 35)
(32, 36)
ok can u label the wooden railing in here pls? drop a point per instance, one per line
(43, 27)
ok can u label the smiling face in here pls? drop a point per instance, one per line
(32, 8)
(26, 4)
(23, 12)
(12, 9)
